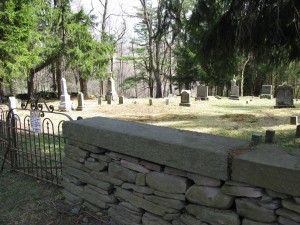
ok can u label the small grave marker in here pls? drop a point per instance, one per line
(109, 99)
(270, 136)
(167, 101)
(99, 100)
(150, 101)
(185, 98)
(294, 120)
(81, 104)
(121, 100)
(256, 139)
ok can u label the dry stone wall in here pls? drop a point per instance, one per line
(260, 186)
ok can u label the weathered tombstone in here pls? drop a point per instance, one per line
(111, 90)
(270, 136)
(99, 100)
(109, 99)
(294, 120)
(266, 91)
(202, 92)
(167, 101)
(284, 96)
(121, 100)
(150, 101)
(65, 100)
(12, 104)
(81, 104)
(235, 90)
(185, 98)
(256, 139)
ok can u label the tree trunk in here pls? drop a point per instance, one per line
(158, 93)
(2, 87)
(151, 88)
(243, 72)
(30, 84)
(83, 87)
(54, 86)
(58, 76)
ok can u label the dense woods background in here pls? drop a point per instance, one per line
(176, 44)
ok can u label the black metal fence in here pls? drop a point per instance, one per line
(31, 141)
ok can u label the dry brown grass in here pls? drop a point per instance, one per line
(224, 117)
(220, 117)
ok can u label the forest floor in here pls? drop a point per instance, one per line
(27, 201)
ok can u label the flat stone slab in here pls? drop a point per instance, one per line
(190, 151)
(270, 167)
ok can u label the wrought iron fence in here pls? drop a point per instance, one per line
(32, 142)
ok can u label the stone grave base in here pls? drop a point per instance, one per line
(234, 97)
(185, 104)
(265, 96)
(284, 106)
(204, 98)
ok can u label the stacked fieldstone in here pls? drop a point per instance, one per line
(263, 187)
(135, 191)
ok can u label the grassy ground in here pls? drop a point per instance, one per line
(26, 201)
(231, 118)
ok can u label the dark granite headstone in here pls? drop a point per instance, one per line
(266, 91)
(284, 97)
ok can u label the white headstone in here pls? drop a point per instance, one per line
(111, 90)
(12, 104)
(65, 100)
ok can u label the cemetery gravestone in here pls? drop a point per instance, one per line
(294, 120)
(202, 92)
(121, 100)
(266, 91)
(111, 90)
(270, 136)
(109, 99)
(99, 100)
(12, 104)
(65, 100)
(284, 96)
(81, 104)
(167, 101)
(235, 90)
(185, 98)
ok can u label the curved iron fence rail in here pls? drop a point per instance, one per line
(36, 154)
